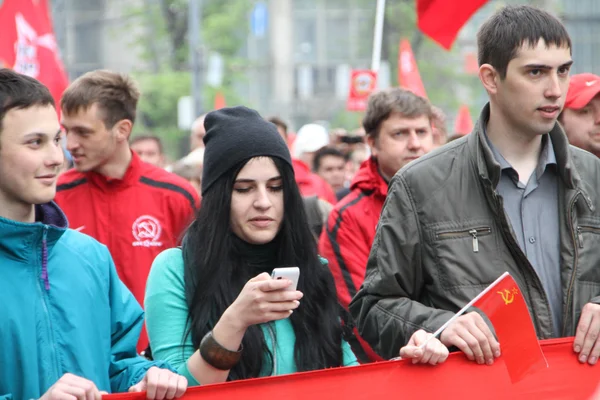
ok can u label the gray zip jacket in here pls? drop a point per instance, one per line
(423, 266)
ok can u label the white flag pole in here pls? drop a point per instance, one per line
(378, 35)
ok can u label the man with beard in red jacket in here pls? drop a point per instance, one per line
(398, 127)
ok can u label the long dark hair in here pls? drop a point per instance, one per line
(214, 278)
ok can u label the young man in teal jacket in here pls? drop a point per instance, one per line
(68, 326)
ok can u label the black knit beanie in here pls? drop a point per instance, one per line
(236, 134)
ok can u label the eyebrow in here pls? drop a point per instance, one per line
(39, 134)
(546, 67)
(76, 127)
(254, 180)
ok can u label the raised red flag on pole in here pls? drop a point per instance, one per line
(28, 44)
(463, 124)
(441, 20)
(362, 83)
(409, 77)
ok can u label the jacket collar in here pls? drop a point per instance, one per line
(369, 179)
(18, 239)
(132, 175)
(489, 169)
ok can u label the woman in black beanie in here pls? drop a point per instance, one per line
(213, 312)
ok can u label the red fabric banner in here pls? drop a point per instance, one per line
(457, 378)
(505, 307)
(362, 83)
(441, 20)
(28, 45)
(409, 77)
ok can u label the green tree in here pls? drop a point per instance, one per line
(165, 76)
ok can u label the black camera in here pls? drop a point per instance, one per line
(351, 139)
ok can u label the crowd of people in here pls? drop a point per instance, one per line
(394, 227)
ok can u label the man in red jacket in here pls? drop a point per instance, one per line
(136, 209)
(398, 127)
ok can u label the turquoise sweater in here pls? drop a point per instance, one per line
(166, 317)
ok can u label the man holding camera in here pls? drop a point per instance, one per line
(398, 128)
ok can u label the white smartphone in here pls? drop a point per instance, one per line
(291, 273)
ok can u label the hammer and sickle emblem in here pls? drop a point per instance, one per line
(508, 296)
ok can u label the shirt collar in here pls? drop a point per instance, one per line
(547, 156)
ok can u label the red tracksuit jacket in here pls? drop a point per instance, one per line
(136, 217)
(346, 242)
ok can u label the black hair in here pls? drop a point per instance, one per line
(18, 91)
(502, 35)
(214, 277)
(324, 152)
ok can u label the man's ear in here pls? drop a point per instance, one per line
(489, 77)
(123, 130)
(372, 142)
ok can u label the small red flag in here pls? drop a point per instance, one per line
(409, 77)
(28, 45)
(442, 19)
(362, 83)
(463, 124)
(219, 101)
(505, 307)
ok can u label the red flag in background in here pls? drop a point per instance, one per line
(28, 44)
(471, 64)
(505, 306)
(362, 83)
(463, 124)
(219, 101)
(408, 73)
(442, 19)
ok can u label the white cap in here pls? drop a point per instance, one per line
(310, 138)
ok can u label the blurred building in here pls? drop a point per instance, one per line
(583, 24)
(299, 52)
(95, 34)
(308, 50)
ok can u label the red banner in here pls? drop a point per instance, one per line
(442, 19)
(28, 45)
(457, 378)
(409, 77)
(362, 83)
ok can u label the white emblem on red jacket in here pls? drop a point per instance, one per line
(146, 231)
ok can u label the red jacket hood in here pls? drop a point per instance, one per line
(368, 179)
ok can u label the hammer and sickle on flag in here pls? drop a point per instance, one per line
(508, 295)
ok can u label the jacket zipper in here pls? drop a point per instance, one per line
(474, 233)
(273, 340)
(577, 240)
(583, 228)
(51, 348)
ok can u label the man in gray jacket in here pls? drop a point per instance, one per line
(511, 196)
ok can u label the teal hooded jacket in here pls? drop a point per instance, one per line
(63, 310)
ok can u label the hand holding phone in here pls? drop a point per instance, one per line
(291, 273)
